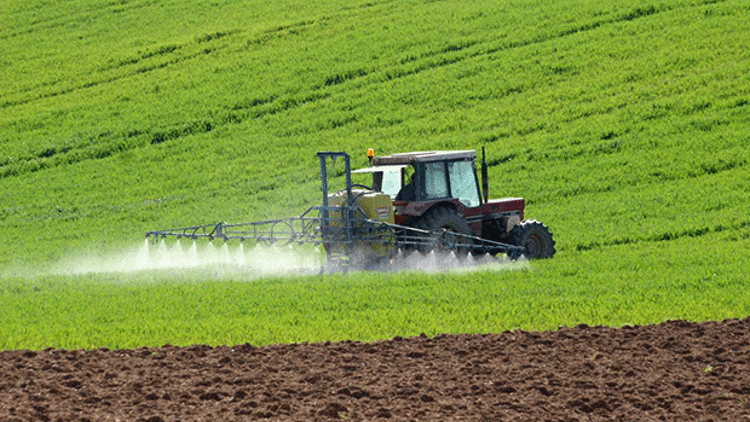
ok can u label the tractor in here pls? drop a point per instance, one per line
(439, 190)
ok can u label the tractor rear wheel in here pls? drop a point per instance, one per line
(444, 218)
(535, 237)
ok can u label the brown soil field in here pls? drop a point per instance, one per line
(674, 371)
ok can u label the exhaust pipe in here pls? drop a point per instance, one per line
(485, 179)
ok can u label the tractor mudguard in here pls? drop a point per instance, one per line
(408, 212)
(506, 210)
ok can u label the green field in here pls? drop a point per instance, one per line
(625, 126)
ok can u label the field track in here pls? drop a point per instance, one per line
(674, 371)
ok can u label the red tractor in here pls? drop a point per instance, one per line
(440, 190)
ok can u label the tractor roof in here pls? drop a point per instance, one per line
(423, 157)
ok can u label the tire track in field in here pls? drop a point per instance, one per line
(694, 232)
(287, 29)
(201, 47)
(61, 18)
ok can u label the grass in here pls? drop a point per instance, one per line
(623, 125)
(154, 308)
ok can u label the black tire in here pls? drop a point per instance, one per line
(535, 237)
(446, 218)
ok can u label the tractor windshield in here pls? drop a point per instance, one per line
(391, 183)
(386, 179)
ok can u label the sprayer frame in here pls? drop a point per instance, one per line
(352, 229)
(347, 211)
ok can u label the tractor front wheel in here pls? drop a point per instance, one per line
(535, 237)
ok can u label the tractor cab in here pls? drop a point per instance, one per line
(427, 176)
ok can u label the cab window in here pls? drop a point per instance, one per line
(463, 183)
(435, 183)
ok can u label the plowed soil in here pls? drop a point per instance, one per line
(674, 371)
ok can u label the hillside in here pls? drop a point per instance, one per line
(624, 125)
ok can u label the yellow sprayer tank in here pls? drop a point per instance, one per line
(371, 246)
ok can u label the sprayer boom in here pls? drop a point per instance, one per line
(343, 238)
(282, 231)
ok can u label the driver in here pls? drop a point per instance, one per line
(407, 193)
